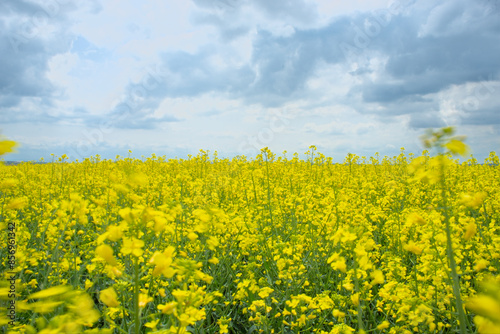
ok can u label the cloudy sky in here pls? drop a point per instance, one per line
(171, 77)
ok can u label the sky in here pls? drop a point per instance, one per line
(172, 77)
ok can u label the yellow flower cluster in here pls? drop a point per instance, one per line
(269, 244)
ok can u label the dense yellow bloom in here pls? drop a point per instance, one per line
(273, 242)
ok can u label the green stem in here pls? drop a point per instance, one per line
(136, 297)
(356, 287)
(450, 254)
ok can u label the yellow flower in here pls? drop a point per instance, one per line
(82, 306)
(7, 146)
(180, 295)
(355, 299)
(414, 218)
(160, 224)
(201, 215)
(486, 326)
(115, 232)
(212, 243)
(383, 325)
(45, 306)
(8, 183)
(338, 314)
(138, 179)
(473, 201)
(378, 277)
(457, 147)
(152, 324)
(127, 214)
(163, 262)
(33, 283)
(168, 308)
(109, 297)
(481, 264)
(223, 323)
(192, 236)
(265, 292)
(132, 246)
(144, 299)
(339, 264)
(50, 292)
(412, 247)
(470, 230)
(485, 305)
(17, 203)
(416, 165)
(106, 252)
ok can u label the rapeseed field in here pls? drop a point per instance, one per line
(269, 244)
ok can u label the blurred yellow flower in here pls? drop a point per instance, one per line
(470, 230)
(383, 325)
(481, 264)
(163, 262)
(17, 203)
(412, 247)
(109, 297)
(51, 292)
(7, 146)
(88, 284)
(132, 246)
(378, 277)
(473, 201)
(192, 236)
(457, 147)
(355, 299)
(167, 308)
(106, 252)
(115, 232)
(415, 219)
(144, 299)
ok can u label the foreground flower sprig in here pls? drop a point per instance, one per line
(443, 140)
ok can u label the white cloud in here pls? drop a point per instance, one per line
(235, 76)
